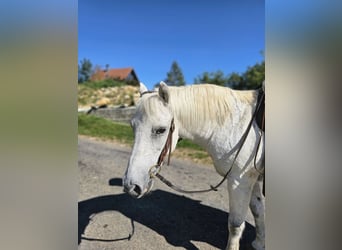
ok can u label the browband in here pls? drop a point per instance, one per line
(147, 92)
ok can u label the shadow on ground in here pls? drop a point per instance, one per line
(178, 218)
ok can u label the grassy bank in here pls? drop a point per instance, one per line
(103, 84)
(105, 129)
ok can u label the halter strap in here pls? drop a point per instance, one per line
(167, 146)
(155, 169)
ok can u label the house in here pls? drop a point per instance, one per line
(122, 74)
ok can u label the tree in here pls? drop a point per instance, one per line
(217, 78)
(84, 70)
(255, 75)
(175, 76)
(204, 78)
(251, 79)
(107, 67)
(236, 81)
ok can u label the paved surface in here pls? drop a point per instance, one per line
(111, 219)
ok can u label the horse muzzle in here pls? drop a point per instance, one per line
(137, 190)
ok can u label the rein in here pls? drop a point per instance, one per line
(155, 169)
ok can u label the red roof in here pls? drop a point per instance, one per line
(121, 74)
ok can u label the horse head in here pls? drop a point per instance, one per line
(151, 125)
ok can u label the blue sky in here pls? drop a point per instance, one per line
(201, 35)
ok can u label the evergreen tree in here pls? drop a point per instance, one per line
(84, 70)
(175, 76)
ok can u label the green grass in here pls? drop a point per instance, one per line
(198, 155)
(184, 143)
(103, 84)
(102, 128)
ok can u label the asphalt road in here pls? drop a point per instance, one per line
(165, 219)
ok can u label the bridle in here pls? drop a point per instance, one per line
(155, 169)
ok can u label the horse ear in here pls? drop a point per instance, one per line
(164, 91)
(143, 88)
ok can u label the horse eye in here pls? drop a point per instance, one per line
(160, 131)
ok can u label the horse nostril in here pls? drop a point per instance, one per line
(137, 189)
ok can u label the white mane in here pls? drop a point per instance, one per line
(198, 104)
(195, 105)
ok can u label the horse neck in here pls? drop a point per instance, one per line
(194, 121)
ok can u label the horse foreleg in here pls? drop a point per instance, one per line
(257, 206)
(239, 198)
